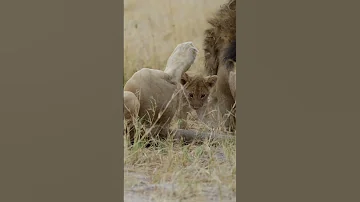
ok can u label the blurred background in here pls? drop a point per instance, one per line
(153, 28)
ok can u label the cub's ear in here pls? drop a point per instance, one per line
(184, 78)
(211, 80)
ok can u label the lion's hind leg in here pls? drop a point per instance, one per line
(180, 60)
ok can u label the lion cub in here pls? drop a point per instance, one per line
(195, 93)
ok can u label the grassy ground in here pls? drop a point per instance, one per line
(172, 171)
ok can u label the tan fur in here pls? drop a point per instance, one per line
(232, 83)
(195, 92)
(158, 91)
(181, 59)
(218, 39)
(131, 105)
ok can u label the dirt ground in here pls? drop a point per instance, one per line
(143, 191)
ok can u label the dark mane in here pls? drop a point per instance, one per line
(221, 37)
(230, 52)
(230, 56)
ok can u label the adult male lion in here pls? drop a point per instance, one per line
(220, 60)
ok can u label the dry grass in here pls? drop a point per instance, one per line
(173, 171)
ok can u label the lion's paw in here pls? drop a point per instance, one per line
(184, 53)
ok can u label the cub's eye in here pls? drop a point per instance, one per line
(191, 95)
(202, 95)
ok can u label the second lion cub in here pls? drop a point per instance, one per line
(195, 93)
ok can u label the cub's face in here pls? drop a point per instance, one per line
(197, 89)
